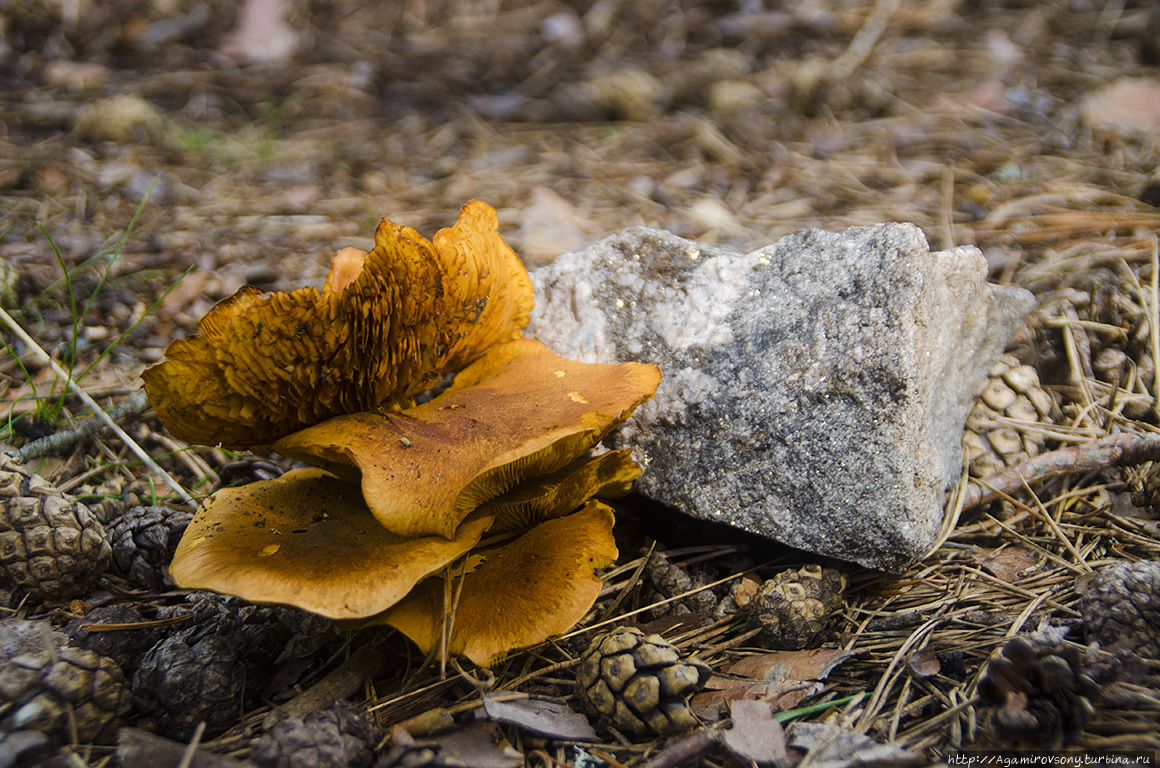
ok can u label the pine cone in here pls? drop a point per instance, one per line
(144, 540)
(50, 544)
(25, 748)
(199, 673)
(794, 607)
(1042, 693)
(1120, 605)
(332, 738)
(639, 684)
(1012, 391)
(671, 580)
(180, 682)
(123, 646)
(21, 636)
(275, 643)
(52, 690)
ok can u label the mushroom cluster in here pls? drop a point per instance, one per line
(485, 492)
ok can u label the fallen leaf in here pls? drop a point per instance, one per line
(550, 719)
(426, 723)
(308, 539)
(479, 745)
(781, 680)
(924, 663)
(781, 666)
(755, 736)
(537, 586)
(264, 365)
(834, 747)
(1008, 563)
(519, 411)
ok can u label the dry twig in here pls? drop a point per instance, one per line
(91, 403)
(1112, 451)
(135, 405)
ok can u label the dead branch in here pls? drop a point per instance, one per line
(135, 405)
(362, 665)
(1112, 451)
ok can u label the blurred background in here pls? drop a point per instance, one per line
(268, 133)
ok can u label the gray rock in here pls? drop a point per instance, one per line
(815, 390)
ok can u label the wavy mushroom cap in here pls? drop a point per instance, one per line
(545, 581)
(518, 412)
(308, 539)
(385, 326)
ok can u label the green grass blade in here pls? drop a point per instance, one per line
(115, 255)
(129, 330)
(51, 412)
(791, 714)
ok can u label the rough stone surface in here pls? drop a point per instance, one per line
(815, 390)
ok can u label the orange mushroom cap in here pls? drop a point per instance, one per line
(519, 411)
(557, 494)
(384, 327)
(307, 539)
(537, 586)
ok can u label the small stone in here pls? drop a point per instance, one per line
(815, 390)
(629, 94)
(124, 118)
(1109, 360)
(730, 95)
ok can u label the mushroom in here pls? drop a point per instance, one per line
(524, 592)
(308, 539)
(607, 475)
(519, 411)
(405, 492)
(385, 326)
